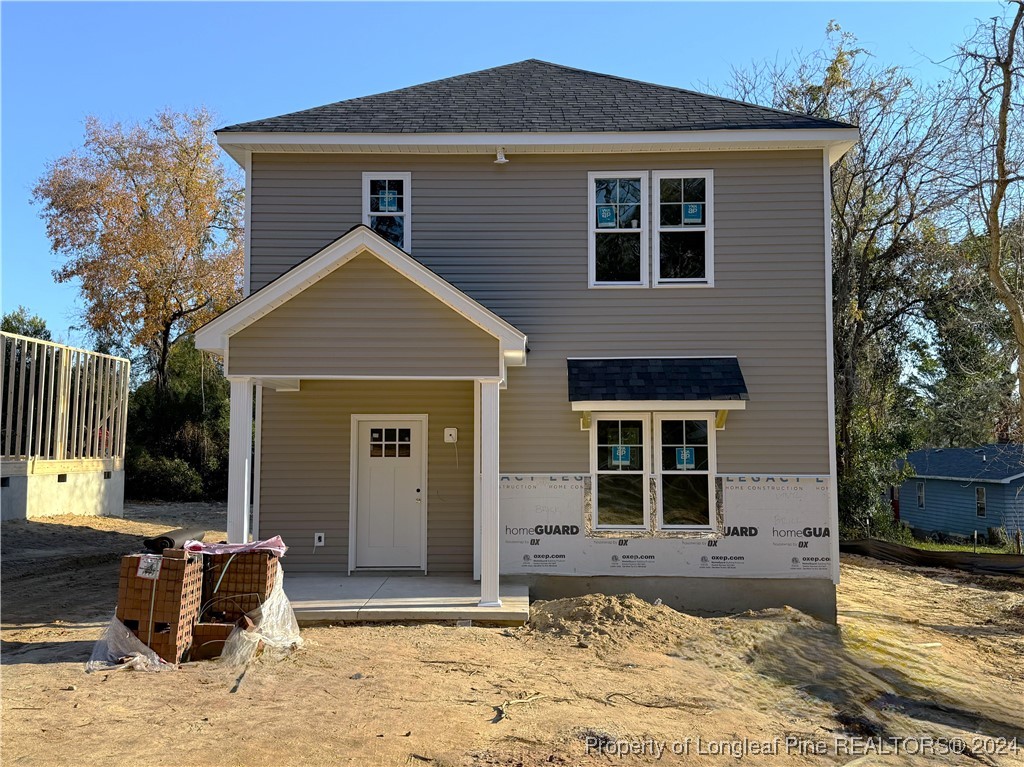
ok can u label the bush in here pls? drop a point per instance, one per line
(149, 478)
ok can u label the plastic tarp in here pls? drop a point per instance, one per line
(119, 648)
(980, 564)
(274, 545)
(275, 629)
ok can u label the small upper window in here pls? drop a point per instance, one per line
(980, 501)
(618, 229)
(387, 208)
(683, 231)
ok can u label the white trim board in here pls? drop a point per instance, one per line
(215, 335)
(834, 141)
(682, 405)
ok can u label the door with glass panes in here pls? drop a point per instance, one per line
(390, 511)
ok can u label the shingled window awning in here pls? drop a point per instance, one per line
(657, 383)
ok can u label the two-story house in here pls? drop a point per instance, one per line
(542, 322)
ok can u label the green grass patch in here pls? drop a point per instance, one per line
(982, 548)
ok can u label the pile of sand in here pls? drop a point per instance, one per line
(618, 619)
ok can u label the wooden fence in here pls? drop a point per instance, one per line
(61, 403)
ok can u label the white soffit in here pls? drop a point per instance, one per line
(837, 140)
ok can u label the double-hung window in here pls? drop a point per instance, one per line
(920, 495)
(618, 229)
(684, 227)
(677, 450)
(686, 469)
(620, 459)
(387, 206)
(980, 501)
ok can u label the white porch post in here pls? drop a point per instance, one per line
(239, 460)
(490, 531)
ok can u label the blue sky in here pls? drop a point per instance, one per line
(124, 61)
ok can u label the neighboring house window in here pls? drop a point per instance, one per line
(618, 229)
(920, 495)
(387, 206)
(686, 469)
(980, 501)
(619, 456)
(683, 227)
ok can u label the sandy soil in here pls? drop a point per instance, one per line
(919, 654)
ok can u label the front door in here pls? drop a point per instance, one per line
(390, 495)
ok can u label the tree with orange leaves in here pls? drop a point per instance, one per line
(150, 222)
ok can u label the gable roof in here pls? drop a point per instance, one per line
(656, 379)
(215, 334)
(999, 463)
(533, 96)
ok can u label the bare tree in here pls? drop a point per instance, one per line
(988, 164)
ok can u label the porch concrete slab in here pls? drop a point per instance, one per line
(339, 598)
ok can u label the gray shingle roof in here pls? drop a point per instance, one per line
(533, 97)
(657, 378)
(988, 463)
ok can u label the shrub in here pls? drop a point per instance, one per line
(159, 478)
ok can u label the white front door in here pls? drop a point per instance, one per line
(390, 494)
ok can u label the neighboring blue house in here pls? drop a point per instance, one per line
(960, 490)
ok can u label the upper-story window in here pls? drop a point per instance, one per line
(678, 228)
(618, 229)
(387, 207)
(683, 232)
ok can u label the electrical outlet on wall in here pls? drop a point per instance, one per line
(451, 435)
(318, 539)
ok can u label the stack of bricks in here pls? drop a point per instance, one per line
(236, 584)
(161, 611)
(208, 640)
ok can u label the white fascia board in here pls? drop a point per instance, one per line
(969, 480)
(215, 334)
(625, 405)
(837, 140)
(280, 384)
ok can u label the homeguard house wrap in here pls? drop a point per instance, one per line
(541, 322)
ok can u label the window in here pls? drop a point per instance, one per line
(618, 229)
(920, 495)
(619, 457)
(390, 443)
(685, 469)
(682, 461)
(980, 501)
(683, 227)
(387, 206)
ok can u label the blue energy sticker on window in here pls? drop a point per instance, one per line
(684, 458)
(620, 455)
(389, 201)
(693, 213)
(605, 216)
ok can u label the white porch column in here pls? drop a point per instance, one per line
(490, 530)
(239, 460)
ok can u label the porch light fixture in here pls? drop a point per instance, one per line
(501, 156)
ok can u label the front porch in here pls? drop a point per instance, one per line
(321, 598)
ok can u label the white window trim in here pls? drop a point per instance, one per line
(709, 418)
(920, 495)
(592, 230)
(981, 502)
(390, 175)
(708, 280)
(645, 472)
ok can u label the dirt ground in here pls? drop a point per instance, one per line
(919, 654)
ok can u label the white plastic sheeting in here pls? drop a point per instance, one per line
(119, 648)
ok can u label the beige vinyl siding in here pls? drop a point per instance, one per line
(306, 441)
(363, 319)
(514, 237)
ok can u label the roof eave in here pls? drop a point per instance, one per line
(837, 141)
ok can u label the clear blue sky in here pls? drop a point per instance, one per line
(123, 61)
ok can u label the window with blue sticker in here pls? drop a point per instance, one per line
(686, 475)
(386, 206)
(619, 498)
(618, 229)
(683, 232)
